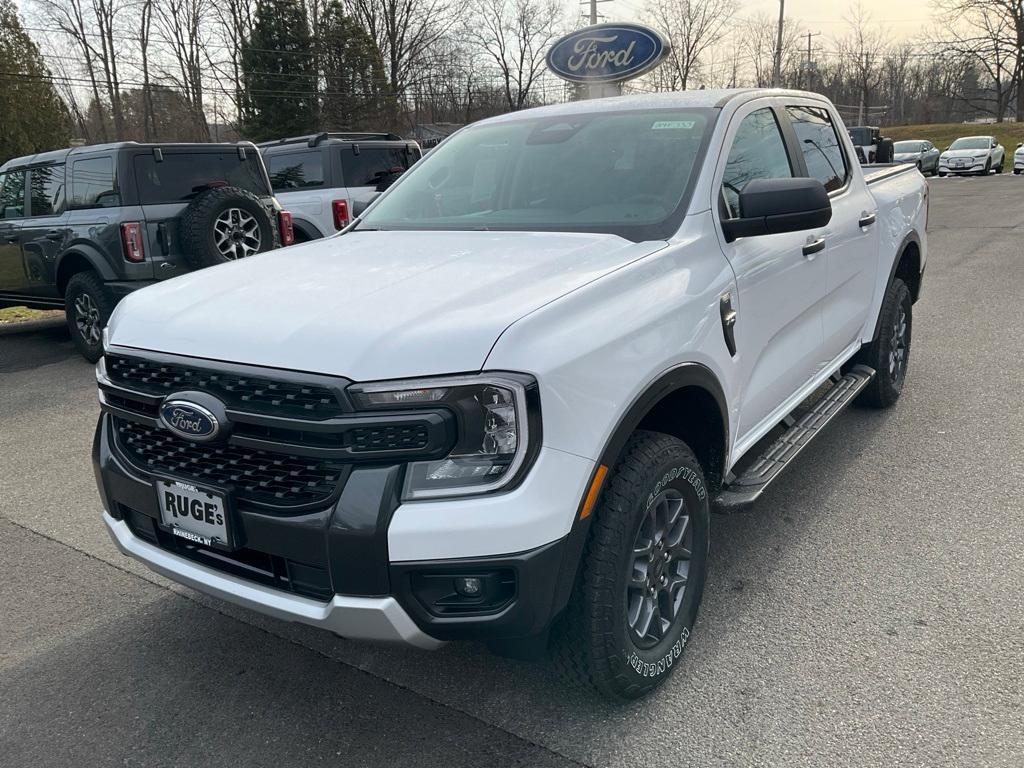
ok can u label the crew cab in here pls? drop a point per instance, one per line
(502, 404)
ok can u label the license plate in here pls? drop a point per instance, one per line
(193, 513)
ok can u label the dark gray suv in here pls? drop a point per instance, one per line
(80, 228)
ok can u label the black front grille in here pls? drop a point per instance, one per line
(258, 394)
(263, 477)
(390, 438)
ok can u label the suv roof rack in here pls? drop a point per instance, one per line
(315, 139)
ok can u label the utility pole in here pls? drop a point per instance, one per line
(809, 36)
(777, 69)
(593, 9)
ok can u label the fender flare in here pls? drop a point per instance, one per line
(672, 380)
(911, 237)
(308, 229)
(96, 259)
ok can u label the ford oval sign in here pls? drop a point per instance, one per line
(607, 53)
(188, 420)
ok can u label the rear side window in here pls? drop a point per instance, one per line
(181, 176)
(93, 184)
(758, 152)
(46, 190)
(12, 195)
(374, 164)
(295, 170)
(820, 146)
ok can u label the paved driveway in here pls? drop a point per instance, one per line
(869, 612)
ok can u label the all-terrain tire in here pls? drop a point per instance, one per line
(592, 644)
(199, 237)
(87, 307)
(895, 323)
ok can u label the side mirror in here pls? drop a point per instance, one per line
(771, 206)
(1020, 144)
(995, 144)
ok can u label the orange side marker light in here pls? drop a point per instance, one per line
(593, 492)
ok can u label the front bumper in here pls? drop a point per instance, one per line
(357, 618)
(338, 568)
(975, 167)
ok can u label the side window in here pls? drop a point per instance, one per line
(820, 145)
(374, 164)
(12, 195)
(46, 190)
(92, 183)
(758, 152)
(295, 170)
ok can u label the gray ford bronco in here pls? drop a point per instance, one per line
(81, 228)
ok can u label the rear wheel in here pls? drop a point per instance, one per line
(642, 575)
(889, 353)
(87, 306)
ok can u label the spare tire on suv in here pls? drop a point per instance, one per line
(224, 224)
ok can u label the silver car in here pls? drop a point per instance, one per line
(920, 152)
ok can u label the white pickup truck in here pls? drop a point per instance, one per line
(502, 404)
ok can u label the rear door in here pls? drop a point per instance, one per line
(778, 324)
(851, 237)
(45, 232)
(13, 278)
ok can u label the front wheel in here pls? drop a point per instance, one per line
(889, 353)
(999, 168)
(642, 575)
(87, 306)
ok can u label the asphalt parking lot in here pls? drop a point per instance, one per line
(868, 612)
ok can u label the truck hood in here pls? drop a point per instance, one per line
(368, 305)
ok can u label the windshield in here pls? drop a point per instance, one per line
(908, 146)
(974, 142)
(627, 173)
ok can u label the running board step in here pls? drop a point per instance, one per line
(744, 490)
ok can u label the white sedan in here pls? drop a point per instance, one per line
(973, 154)
(1018, 159)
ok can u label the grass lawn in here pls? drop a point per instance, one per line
(942, 134)
(21, 314)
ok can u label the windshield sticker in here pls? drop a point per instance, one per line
(673, 125)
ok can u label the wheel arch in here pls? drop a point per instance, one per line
(305, 230)
(907, 265)
(80, 258)
(687, 402)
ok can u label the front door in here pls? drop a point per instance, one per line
(780, 289)
(12, 210)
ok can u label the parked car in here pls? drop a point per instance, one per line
(973, 154)
(1018, 159)
(920, 152)
(324, 177)
(502, 406)
(81, 228)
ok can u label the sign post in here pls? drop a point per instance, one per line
(604, 56)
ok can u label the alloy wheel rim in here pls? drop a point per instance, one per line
(236, 233)
(659, 569)
(87, 318)
(898, 347)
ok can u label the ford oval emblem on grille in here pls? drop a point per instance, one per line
(188, 420)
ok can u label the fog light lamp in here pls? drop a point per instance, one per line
(469, 586)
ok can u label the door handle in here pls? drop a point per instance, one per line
(728, 312)
(54, 234)
(814, 246)
(866, 219)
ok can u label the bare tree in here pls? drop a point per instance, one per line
(74, 19)
(758, 40)
(863, 48)
(515, 35)
(406, 32)
(692, 27)
(182, 23)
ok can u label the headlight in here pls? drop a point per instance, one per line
(982, 156)
(494, 430)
